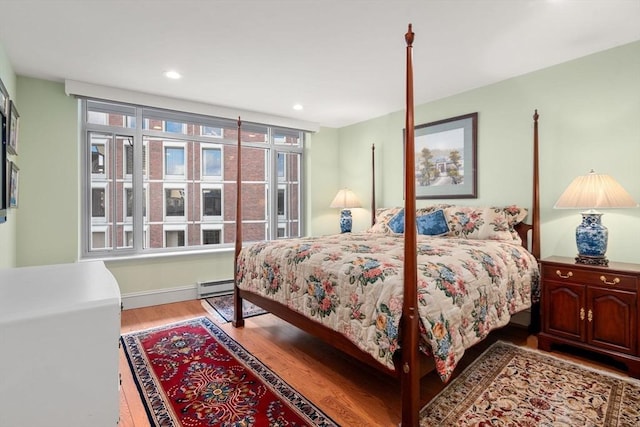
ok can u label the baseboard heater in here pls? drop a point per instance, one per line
(210, 289)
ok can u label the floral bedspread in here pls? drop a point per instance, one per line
(353, 283)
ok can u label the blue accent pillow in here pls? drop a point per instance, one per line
(396, 224)
(433, 223)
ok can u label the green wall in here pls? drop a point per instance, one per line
(589, 111)
(49, 200)
(589, 118)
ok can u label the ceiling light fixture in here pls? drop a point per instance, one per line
(298, 107)
(172, 74)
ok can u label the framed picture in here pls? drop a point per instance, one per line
(3, 173)
(3, 128)
(4, 99)
(12, 138)
(13, 185)
(446, 165)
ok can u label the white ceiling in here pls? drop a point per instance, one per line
(344, 60)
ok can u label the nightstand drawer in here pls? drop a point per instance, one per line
(573, 274)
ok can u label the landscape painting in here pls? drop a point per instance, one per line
(446, 166)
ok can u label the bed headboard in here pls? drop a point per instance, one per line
(529, 232)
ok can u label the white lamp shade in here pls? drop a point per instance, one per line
(345, 199)
(595, 191)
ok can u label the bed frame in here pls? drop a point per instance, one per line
(411, 365)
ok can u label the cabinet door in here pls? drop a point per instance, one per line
(564, 310)
(612, 319)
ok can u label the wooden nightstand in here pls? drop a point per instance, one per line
(591, 307)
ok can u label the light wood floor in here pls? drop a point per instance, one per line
(351, 394)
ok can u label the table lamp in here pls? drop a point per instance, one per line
(589, 192)
(345, 200)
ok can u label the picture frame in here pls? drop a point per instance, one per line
(446, 161)
(13, 185)
(12, 125)
(3, 171)
(4, 99)
(3, 129)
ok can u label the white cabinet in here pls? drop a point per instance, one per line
(59, 340)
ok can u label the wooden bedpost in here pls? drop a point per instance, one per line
(373, 184)
(535, 323)
(535, 214)
(410, 375)
(238, 320)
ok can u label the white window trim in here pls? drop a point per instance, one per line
(188, 181)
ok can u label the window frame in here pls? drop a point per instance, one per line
(255, 135)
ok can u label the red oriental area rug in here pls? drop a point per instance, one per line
(193, 374)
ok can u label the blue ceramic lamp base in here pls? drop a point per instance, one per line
(345, 221)
(591, 239)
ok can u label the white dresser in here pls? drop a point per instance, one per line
(59, 340)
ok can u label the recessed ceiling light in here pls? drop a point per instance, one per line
(172, 75)
(298, 107)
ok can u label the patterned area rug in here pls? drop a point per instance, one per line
(512, 386)
(193, 374)
(223, 305)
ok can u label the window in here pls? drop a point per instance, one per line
(174, 237)
(211, 202)
(174, 161)
(174, 127)
(174, 202)
(281, 202)
(210, 131)
(98, 155)
(169, 183)
(98, 203)
(211, 236)
(128, 157)
(211, 162)
(99, 237)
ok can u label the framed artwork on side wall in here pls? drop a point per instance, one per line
(13, 185)
(3, 170)
(12, 124)
(4, 99)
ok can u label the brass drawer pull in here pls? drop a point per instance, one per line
(615, 281)
(569, 274)
(590, 316)
(582, 313)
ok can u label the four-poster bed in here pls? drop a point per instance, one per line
(404, 303)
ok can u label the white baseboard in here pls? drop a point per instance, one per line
(157, 297)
